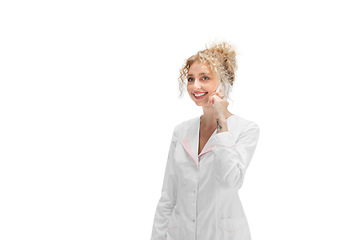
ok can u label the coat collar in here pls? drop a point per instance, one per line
(191, 140)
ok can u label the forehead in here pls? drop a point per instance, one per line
(198, 67)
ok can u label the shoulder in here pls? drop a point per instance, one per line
(184, 125)
(181, 129)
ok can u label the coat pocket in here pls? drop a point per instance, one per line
(173, 229)
(233, 228)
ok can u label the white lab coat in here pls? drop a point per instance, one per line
(199, 198)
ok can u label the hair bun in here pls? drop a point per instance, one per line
(226, 52)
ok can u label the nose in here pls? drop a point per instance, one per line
(197, 84)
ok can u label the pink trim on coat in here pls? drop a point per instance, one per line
(186, 144)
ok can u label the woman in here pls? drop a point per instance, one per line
(208, 157)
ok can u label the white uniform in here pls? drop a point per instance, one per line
(199, 198)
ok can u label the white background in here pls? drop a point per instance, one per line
(89, 100)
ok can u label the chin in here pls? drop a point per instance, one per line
(201, 104)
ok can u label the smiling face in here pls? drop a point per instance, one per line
(202, 82)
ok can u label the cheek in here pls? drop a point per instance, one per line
(188, 88)
(214, 84)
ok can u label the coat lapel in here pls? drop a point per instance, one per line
(191, 140)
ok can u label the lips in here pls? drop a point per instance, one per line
(200, 97)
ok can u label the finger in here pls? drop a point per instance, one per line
(212, 98)
(211, 101)
(220, 95)
(216, 98)
(216, 94)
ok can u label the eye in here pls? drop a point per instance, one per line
(205, 78)
(190, 79)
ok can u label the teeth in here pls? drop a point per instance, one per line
(198, 95)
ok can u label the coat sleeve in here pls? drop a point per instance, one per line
(168, 197)
(232, 158)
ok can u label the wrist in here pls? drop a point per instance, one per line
(220, 117)
(221, 125)
(221, 120)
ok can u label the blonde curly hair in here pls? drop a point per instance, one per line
(220, 58)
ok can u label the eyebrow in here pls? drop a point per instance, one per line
(199, 74)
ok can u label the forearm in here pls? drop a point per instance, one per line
(232, 155)
(221, 125)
